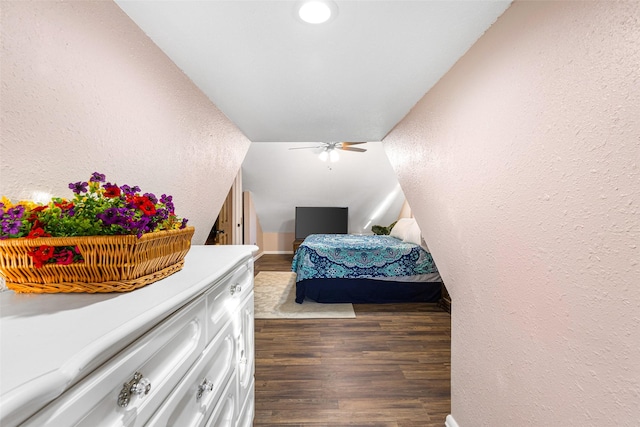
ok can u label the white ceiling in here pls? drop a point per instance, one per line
(280, 79)
(284, 82)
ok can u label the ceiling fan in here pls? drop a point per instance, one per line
(328, 146)
(328, 149)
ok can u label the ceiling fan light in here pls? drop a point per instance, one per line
(333, 156)
(314, 12)
(324, 155)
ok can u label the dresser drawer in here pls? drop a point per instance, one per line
(245, 417)
(162, 356)
(244, 331)
(223, 300)
(225, 412)
(194, 399)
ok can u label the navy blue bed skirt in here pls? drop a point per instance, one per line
(366, 291)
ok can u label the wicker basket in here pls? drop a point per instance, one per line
(111, 263)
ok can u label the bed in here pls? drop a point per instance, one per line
(339, 268)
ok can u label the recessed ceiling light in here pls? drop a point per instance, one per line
(314, 12)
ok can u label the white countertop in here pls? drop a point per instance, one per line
(50, 341)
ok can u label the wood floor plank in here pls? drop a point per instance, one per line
(388, 367)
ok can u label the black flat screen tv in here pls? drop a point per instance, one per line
(321, 220)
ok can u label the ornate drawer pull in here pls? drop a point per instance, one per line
(235, 288)
(137, 385)
(205, 386)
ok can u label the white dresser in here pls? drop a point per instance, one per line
(178, 352)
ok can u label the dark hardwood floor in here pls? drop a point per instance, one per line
(390, 366)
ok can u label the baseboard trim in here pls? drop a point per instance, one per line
(450, 422)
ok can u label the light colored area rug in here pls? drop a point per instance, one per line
(275, 298)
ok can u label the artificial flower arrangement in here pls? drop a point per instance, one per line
(98, 208)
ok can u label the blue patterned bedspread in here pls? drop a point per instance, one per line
(349, 256)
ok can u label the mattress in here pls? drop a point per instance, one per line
(358, 256)
(370, 268)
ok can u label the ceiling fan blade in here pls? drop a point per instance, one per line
(353, 143)
(359, 150)
(302, 148)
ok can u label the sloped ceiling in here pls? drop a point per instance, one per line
(282, 80)
(281, 179)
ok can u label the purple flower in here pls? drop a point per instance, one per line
(143, 225)
(129, 190)
(10, 226)
(162, 214)
(97, 177)
(109, 216)
(184, 223)
(78, 187)
(114, 216)
(15, 212)
(152, 197)
(168, 202)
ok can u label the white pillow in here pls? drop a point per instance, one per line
(399, 231)
(413, 234)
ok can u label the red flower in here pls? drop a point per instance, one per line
(64, 256)
(145, 205)
(37, 224)
(33, 214)
(41, 255)
(112, 191)
(37, 232)
(65, 206)
(148, 208)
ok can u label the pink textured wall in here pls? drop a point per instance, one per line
(522, 167)
(84, 90)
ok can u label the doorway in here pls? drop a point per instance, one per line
(227, 229)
